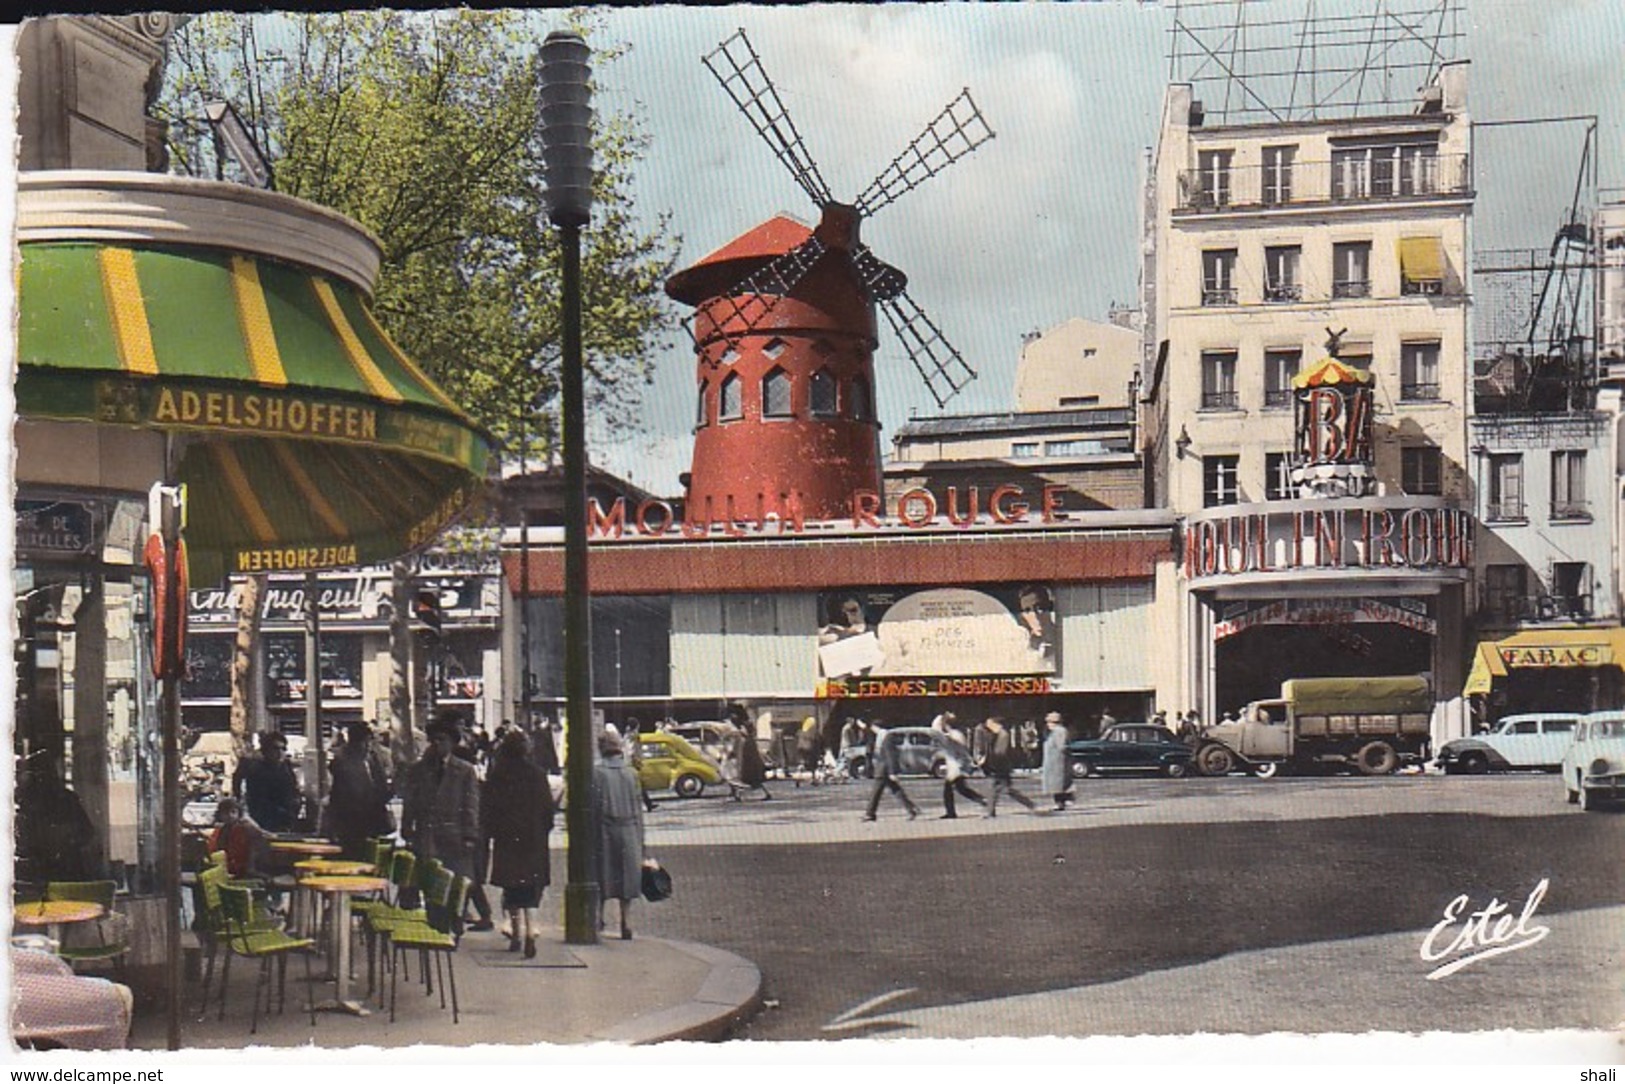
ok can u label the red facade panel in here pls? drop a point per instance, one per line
(661, 568)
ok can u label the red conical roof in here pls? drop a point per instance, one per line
(720, 270)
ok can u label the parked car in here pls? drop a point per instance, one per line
(923, 751)
(1594, 766)
(1144, 747)
(1517, 742)
(669, 761)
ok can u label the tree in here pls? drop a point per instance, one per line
(424, 127)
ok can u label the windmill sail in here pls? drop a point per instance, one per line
(739, 70)
(940, 365)
(951, 135)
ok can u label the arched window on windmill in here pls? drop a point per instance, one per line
(700, 413)
(732, 407)
(776, 394)
(823, 394)
(859, 404)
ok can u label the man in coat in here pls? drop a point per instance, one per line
(266, 785)
(1057, 771)
(885, 765)
(999, 763)
(440, 812)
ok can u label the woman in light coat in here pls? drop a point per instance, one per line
(1057, 772)
(620, 835)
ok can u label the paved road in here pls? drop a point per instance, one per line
(1154, 906)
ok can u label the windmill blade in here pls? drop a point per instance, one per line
(938, 363)
(883, 281)
(747, 303)
(739, 70)
(956, 131)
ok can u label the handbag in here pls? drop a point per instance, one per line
(656, 882)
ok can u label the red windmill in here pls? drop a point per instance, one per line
(785, 331)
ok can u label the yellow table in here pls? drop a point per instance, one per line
(341, 888)
(332, 867)
(313, 847)
(52, 915)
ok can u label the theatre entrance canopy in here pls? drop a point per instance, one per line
(235, 325)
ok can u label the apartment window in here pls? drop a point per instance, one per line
(776, 394)
(1024, 449)
(1213, 173)
(1569, 486)
(1505, 486)
(858, 402)
(1419, 471)
(1505, 587)
(1219, 480)
(823, 394)
(1418, 169)
(1280, 366)
(1219, 276)
(732, 405)
(1075, 447)
(1421, 265)
(1219, 380)
(699, 406)
(1278, 174)
(1355, 356)
(1395, 169)
(1351, 269)
(1278, 477)
(1569, 582)
(1281, 280)
(1419, 370)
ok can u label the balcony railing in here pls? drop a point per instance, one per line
(1277, 397)
(1504, 511)
(1578, 510)
(1419, 391)
(1351, 288)
(1510, 609)
(1283, 291)
(1306, 183)
(1220, 400)
(1218, 296)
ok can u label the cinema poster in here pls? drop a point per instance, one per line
(938, 631)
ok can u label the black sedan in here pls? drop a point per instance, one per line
(1143, 747)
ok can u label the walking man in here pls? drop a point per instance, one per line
(953, 780)
(999, 763)
(440, 815)
(885, 767)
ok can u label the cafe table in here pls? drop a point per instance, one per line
(341, 888)
(53, 915)
(312, 867)
(309, 848)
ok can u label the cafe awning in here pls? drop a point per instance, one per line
(1535, 649)
(309, 439)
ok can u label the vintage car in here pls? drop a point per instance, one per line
(1517, 742)
(669, 761)
(1594, 766)
(1144, 747)
(923, 751)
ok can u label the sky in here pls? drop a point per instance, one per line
(1039, 225)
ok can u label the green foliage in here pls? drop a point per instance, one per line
(424, 127)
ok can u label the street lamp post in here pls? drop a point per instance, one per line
(567, 155)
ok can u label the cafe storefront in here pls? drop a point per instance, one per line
(1566, 669)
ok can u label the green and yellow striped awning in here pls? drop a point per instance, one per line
(311, 440)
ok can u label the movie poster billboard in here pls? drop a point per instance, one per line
(938, 631)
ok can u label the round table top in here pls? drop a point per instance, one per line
(51, 912)
(345, 884)
(333, 866)
(306, 846)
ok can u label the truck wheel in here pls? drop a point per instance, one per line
(1215, 759)
(1376, 758)
(689, 786)
(1475, 763)
(1268, 769)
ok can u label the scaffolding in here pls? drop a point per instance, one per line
(1274, 61)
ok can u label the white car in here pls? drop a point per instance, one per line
(1518, 742)
(1594, 767)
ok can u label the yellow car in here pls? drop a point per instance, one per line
(669, 761)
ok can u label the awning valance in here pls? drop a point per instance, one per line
(1544, 648)
(1421, 259)
(312, 441)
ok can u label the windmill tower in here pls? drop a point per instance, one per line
(785, 329)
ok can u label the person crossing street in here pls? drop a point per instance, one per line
(999, 763)
(886, 766)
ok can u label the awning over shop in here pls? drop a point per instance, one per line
(310, 440)
(1421, 259)
(1544, 648)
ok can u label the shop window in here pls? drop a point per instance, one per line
(1219, 380)
(1569, 486)
(861, 408)
(1281, 278)
(1278, 162)
(1219, 276)
(732, 401)
(1219, 480)
(1351, 269)
(700, 414)
(1420, 471)
(1280, 366)
(1419, 371)
(1213, 175)
(823, 394)
(1505, 470)
(1278, 477)
(776, 394)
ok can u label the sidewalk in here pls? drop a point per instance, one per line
(646, 990)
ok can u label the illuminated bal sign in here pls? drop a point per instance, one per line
(1338, 536)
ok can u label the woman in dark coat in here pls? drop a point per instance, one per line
(358, 801)
(620, 835)
(516, 814)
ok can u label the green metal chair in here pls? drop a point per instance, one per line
(427, 940)
(380, 916)
(242, 939)
(106, 940)
(210, 924)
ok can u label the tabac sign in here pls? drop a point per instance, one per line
(1386, 535)
(1581, 654)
